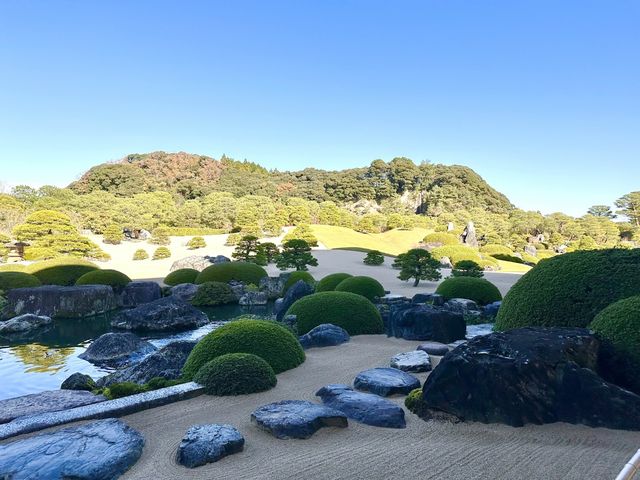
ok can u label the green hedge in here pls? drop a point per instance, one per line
(479, 290)
(11, 280)
(351, 311)
(368, 287)
(63, 271)
(182, 275)
(273, 343)
(113, 278)
(211, 294)
(570, 289)
(296, 276)
(239, 271)
(236, 374)
(442, 238)
(330, 282)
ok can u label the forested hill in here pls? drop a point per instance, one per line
(426, 188)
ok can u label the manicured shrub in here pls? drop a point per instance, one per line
(115, 279)
(530, 259)
(417, 264)
(368, 287)
(479, 290)
(160, 382)
(160, 253)
(113, 235)
(330, 282)
(301, 232)
(374, 257)
(210, 294)
(195, 243)
(494, 248)
(225, 272)
(273, 343)
(40, 253)
(10, 280)
(182, 275)
(467, 268)
(160, 236)
(269, 251)
(570, 289)
(63, 271)
(124, 389)
(297, 276)
(236, 374)
(140, 254)
(442, 238)
(351, 311)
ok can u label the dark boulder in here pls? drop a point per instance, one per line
(461, 305)
(78, 381)
(416, 361)
(251, 299)
(425, 322)
(138, 293)
(273, 286)
(204, 444)
(296, 291)
(24, 323)
(432, 298)
(48, 401)
(185, 291)
(434, 348)
(386, 381)
(113, 349)
(491, 310)
(324, 335)
(167, 313)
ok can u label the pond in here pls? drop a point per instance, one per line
(46, 358)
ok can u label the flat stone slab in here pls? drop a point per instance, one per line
(365, 408)
(101, 450)
(434, 348)
(24, 323)
(480, 329)
(204, 444)
(416, 361)
(324, 335)
(115, 349)
(296, 418)
(49, 401)
(386, 381)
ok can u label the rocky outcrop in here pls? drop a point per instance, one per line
(324, 335)
(168, 313)
(138, 293)
(23, 323)
(273, 286)
(296, 291)
(425, 322)
(416, 361)
(114, 349)
(204, 444)
(78, 381)
(386, 381)
(49, 401)
(184, 291)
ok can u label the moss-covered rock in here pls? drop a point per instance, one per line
(211, 294)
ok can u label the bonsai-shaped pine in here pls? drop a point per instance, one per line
(160, 236)
(270, 251)
(112, 234)
(249, 250)
(467, 268)
(374, 257)
(195, 243)
(417, 264)
(295, 254)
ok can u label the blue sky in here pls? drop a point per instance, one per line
(542, 98)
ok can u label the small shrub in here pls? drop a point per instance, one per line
(236, 374)
(330, 282)
(239, 271)
(64, 271)
(441, 238)
(195, 243)
(368, 287)
(233, 239)
(529, 259)
(160, 236)
(412, 400)
(374, 257)
(11, 280)
(160, 253)
(479, 290)
(113, 235)
(124, 389)
(115, 279)
(182, 275)
(295, 277)
(192, 231)
(157, 383)
(210, 294)
(140, 254)
(467, 268)
(456, 253)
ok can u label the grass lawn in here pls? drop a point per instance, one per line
(513, 267)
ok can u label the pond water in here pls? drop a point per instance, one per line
(46, 358)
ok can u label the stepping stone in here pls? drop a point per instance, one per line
(296, 418)
(415, 361)
(386, 381)
(47, 401)
(324, 335)
(204, 444)
(366, 408)
(101, 450)
(434, 348)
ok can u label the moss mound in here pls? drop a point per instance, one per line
(63, 271)
(368, 287)
(239, 271)
(442, 238)
(351, 311)
(211, 294)
(569, 290)
(330, 282)
(182, 275)
(236, 374)
(458, 253)
(113, 278)
(273, 343)
(10, 280)
(479, 290)
(295, 277)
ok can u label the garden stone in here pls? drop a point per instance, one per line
(469, 236)
(115, 349)
(253, 298)
(101, 450)
(296, 291)
(324, 335)
(491, 310)
(461, 305)
(366, 408)
(416, 361)
(531, 250)
(138, 293)
(425, 322)
(386, 381)
(273, 286)
(433, 298)
(238, 288)
(48, 401)
(219, 259)
(296, 418)
(167, 313)
(445, 262)
(434, 348)
(184, 291)
(291, 322)
(204, 444)
(78, 381)
(479, 329)
(24, 323)
(197, 262)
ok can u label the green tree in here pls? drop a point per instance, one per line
(295, 254)
(467, 268)
(248, 250)
(601, 211)
(374, 257)
(419, 265)
(42, 223)
(269, 250)
(302, 232)
(629, 206)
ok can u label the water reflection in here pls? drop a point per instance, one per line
(40, 358)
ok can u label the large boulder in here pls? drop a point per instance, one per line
(204, 444)
(273, 286)
(55, 301)
(184, 291)
(114, 349)
(386, 381)
(295, 292)
(461, 305)
(250, 299)
(78, 381)
(24, 323)
(138, 293)
(425, 322)
(324, 335)
(43, 402)
(101, 450)
(167, 313)
(197, 262)
(530, 375)
(166, 362)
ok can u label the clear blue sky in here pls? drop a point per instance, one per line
(542, 98)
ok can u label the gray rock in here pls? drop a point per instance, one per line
(491, 310)
(416, 361)
(24, 323)
(445, 262)
(461, 305)
(197, 262)
(204, 444)
(253, 298)
(296, 291)
(219, 259)
(78, 381)
(138, 293)
(115, 349)
(366, 408)
(296, 418)
(65, 302)
(434, 348)
(290, 321)
(432, 298)
(238, 288)
(324, 335)
(424, 322)
(273, 286)
(479, 329)
(469, 236)
(168, 313)
(531, 250)
(48, 401)
(385, 381)
(184, 291)
(101, 450)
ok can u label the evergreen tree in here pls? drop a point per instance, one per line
(295, 254)
(419, 265)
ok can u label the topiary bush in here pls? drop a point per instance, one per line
(368, 287)
(273, 343)
(182, 275)
(210, 294)
(495, 248)
(140, 254)
(113, 235)
(160, 236)
(351, 311)
(11, 280)
(160, 253)
(296, 276)
(330, 282)
(64, 271)
(115, 279)
(239, 271)
(569, 290)
(195, 243)
(236, 374)
(442, 238)
(374, 257)
(479, 290)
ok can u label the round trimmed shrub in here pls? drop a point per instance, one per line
(374, 257)
(10, 280)
(477, 289)
(496, 249)
(569, 290)
(442, 238)
(113, 278)
(225, 272)
(353, 312)
(273, 343)
(161, 253)
(236, 374)
(196, 242)
(368, 287)
(140, 254)
(211, 294)
(182, 275)
(330, 282)
(64, 271)
(295, 277)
